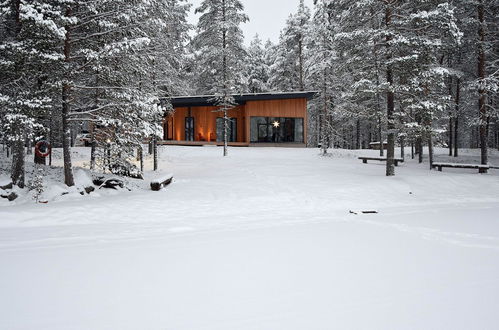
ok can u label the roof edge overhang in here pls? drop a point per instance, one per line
(240, 99)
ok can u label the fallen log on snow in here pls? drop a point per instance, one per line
(364, 212)
(113, 183)
(11, 197)
(7, 186)
(159, 183)
(110, 183)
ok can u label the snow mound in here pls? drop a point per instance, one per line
(82, 178)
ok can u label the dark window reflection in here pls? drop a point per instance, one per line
(276, 130)
(231, 130)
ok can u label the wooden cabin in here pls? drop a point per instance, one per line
(264, 119)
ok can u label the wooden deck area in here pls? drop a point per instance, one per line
(232, 144)
(201, 143)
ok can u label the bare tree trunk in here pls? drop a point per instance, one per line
(18, 162)
(357, 135)
(497, 135)
(300, 59)
(149, 147)
(482, 101)
(29, 146)
(380, 127)
(390, 103)
(402, 147)
(324, 116)
(93, 142)
(40, 160)
(456, 119)
(66, 138)
(380, 134)
(225, 82)
(51, 138)
(155, 150)
(378, 104)
(66, 91)
(93, 149)
(18, 171)
(451, 135)
(430, 149)
(318, 128)
(419, 146)
(141, 159)
(226, 127)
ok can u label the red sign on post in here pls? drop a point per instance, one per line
(43, 149)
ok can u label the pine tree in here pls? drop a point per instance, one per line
(27, 58)
(321, 75)
(288, 71)
(219, 46)
(257, 67)
(406, 43)
(220, 52)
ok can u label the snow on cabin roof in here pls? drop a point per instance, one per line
(206, 100)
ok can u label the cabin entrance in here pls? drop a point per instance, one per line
(189, 128)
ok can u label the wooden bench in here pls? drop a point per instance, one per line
(480, 168)
(381, 159)
(161, 182)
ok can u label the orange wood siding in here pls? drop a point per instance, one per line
(289, 108)
(205, 118)
(205, 122)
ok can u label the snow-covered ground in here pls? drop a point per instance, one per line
(262, 240)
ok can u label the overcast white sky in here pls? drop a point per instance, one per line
(267, 17)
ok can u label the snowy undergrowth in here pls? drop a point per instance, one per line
(52, 181)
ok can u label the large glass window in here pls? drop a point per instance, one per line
(276, 130)
(231, 131)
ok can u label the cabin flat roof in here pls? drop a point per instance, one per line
(208, 100)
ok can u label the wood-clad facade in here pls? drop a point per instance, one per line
(259, 119)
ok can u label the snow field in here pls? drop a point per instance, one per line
(261, 240)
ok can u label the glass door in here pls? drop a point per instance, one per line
(189, 128)
(231, 130)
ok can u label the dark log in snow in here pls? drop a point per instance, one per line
(7, 186)
(11, 197)
(161, 182)
(111, 183)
